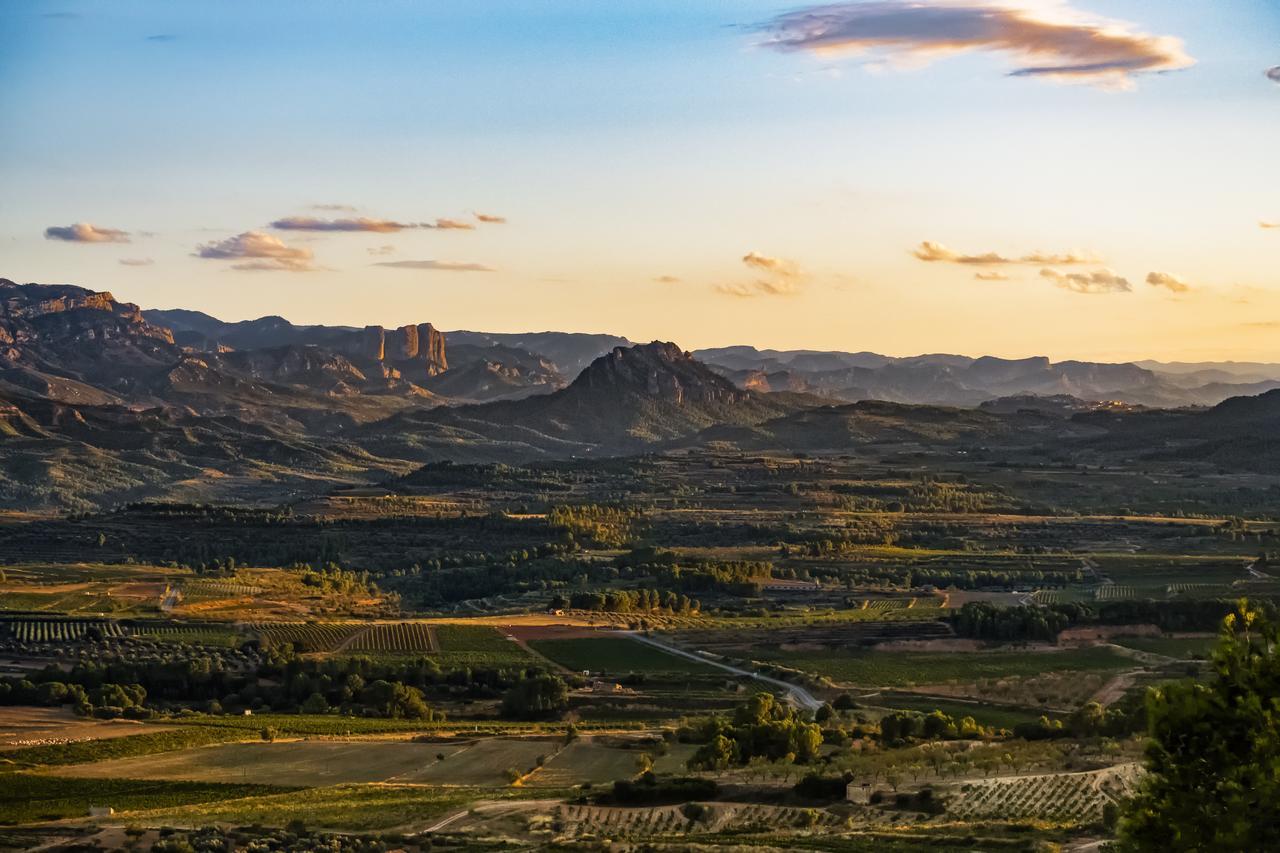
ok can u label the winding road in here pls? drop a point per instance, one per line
(798, 696)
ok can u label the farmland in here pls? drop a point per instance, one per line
(899, 669)
(26, 797)
(470, 692)
(615, 656)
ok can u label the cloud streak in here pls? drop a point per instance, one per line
(931, 252)
(1265, 225)
(1046, 39)
(1092, 283)
(373, 225)
(1273, 74)
(83, 232)
(258, 251)
(363, 223)
(136, 262)
(437, 266)
(491, 218)
(1168, 281)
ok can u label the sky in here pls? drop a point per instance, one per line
(1089, 179)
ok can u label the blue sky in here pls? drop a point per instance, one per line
(627, 144)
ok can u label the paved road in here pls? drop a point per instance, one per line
(799, 697)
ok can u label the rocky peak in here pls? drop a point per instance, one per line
(61, 324)
(658, 369)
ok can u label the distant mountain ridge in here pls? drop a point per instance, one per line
(101, 402)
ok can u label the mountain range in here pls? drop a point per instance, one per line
(101, 402)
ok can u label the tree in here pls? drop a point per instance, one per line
(1213, 762)
(315, 704)
(536, 698)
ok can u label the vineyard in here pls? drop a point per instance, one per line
(410, 637)
(1047, 596)
(664, 820)
(1114, 592)
(205, 635)
(204, 589)
(56, 630)
(309, 636)
(1074, 798)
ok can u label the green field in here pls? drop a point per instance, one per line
(900, 669)
(1181, 648)
(83, 752)
(616, 655)
(27, 798)
(478, 646)
(986, 715)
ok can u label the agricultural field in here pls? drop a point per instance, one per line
(57, 630)
(984, 713)
(901, 669)
(1068, 798)
(616, 656)
(1179, 648)
(27, 797)
(22, 727)
(351, 808)
(291, 763)
(396, 638)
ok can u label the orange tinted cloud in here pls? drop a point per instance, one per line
(931, 252)
(260, 251)
(83, 232)
(1168, 281)
(1095, 282)
(1046, 39)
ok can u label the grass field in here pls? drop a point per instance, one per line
(615, 655)
(27, 797)
(899, 669)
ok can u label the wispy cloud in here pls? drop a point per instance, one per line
(1095, 282)
(994, 275)
(363, 223)
(491, 218)
(448, 225)
(258, 251)
(335, 208)
(668, 279)
(162, 37)
(775, 277)
(1041, 38)
(83, 232)
(1168, 281)
(370, 224)
(381, 250)
(439, 266)
(1273, 74)
(136, 262)
(1268, 225)
(931, 252)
